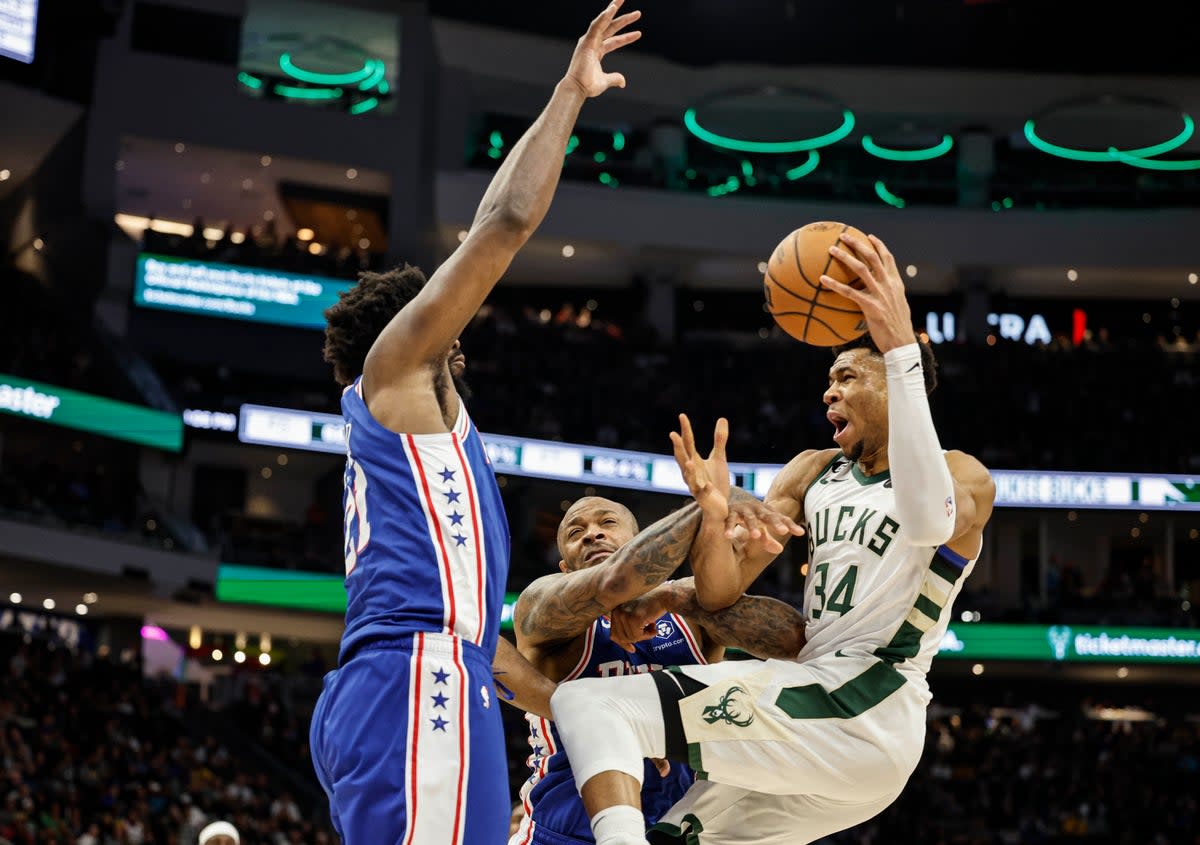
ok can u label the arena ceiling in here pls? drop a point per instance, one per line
(1023, 35)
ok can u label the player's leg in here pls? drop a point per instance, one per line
(843, 729)
(850, 732)
(716, 814)
(608, 727)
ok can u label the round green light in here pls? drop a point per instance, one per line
(798, 145)
(887, 196)
(496, 139)
(599, 157)
(618, 141)
(1150, 164)
(924, 154)
(290, 68)
(814, 158)
(1108, 155)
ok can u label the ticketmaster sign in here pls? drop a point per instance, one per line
(1069, 643)
(59, 406)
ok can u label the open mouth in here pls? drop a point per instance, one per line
(840, 425)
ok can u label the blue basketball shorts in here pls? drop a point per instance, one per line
(408, 744)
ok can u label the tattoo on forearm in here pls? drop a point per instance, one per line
(765, 627)
(657, 552)
(636, 568)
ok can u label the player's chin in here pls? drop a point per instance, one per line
(458, 366)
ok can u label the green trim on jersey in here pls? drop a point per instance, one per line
(820, 475)
(867, 480)
(674, 834)
(853, 698)
(906, 642)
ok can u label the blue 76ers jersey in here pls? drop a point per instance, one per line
(552, 803)
(426, 537)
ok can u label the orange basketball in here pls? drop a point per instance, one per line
(800, 304)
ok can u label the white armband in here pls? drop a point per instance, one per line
(924, 489)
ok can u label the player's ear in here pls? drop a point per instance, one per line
(562, 566)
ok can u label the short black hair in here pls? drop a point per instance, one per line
(360, 314)
(929, 362)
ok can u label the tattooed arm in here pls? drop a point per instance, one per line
(762, 626)
(559, 607)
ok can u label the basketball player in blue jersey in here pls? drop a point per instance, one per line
(572, 625)
(406, 737)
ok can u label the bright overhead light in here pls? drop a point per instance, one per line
(314, 248)
(264, 659)
(1192, 278)
(15, 598)
(1072, 275)
(568, 250)
(180, 147)
(364, 243)
(239, 657)
(462, 236)
(305, 234)
(90, 598)
(351, 173)
(217, 654)
(81, 609)
(911, 271)
(4, 174)
(762, 267)
(265, 161)
(48, 604)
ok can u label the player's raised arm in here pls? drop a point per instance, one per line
(925, 490)
(511, 209)
(558, 607)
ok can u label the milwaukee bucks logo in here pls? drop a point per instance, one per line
(726, 710)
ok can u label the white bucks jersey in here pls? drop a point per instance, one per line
(870, 592)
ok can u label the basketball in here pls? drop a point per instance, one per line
(800, 304)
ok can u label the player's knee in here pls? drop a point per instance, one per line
(572, 698)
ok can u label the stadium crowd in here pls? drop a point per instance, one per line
(94, 753)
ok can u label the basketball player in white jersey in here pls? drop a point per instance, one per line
(791, 751)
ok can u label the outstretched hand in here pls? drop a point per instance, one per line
(759, 519)
(708, 478)
(602, 37)
(882, 299)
